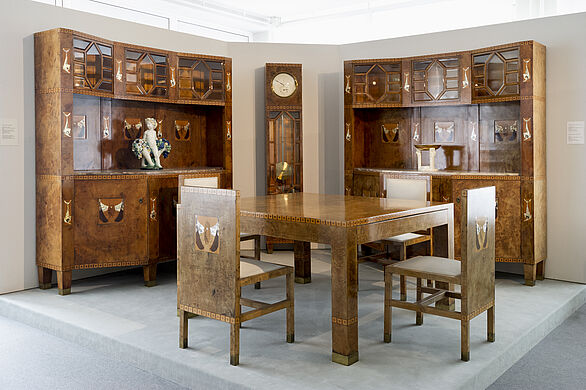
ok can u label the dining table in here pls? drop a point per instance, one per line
(343, 222)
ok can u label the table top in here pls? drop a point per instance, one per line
(338, 210)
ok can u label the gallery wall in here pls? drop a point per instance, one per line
(322, 115)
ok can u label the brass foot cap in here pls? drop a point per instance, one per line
(345, 360)
(183, 344)
(530, 283)
(65, 291)
(466, 356)
(541, 278)
(150, 283)
(303, 280)
(45, 286)
(491, 337)
(387, 338)
(290, 338)
(234, 360)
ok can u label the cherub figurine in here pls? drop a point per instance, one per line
(149, 147)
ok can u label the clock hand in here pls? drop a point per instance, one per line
(279, 82)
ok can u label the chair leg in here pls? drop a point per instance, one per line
(490, 324)
(257, 257)
(388, 309)
(418, 314)
(183, 329)
(403, 287)
(291, 308)
(235, 344)
(465, 340)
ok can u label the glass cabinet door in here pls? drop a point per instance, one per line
(377, 83)
(146, 73)
(436, 80)
(200, 79)
(284, 160)
(496, 73)
(92, 65)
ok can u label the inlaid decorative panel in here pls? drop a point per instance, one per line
(92, 65)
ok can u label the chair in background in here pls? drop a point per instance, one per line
(475, 273)
(415, 188)
(210, 272)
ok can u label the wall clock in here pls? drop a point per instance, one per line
(284, 85)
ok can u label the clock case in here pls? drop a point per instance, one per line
(284, 135)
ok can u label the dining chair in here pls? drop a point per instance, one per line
(474, 273)
(415, 188)
(210, 271)
(212, 182)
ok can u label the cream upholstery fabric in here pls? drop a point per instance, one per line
(250, 267)
(431, 264)
(404, 237)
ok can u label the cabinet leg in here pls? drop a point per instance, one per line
(45, 276)
(540, 270)
(302, 260)
(150, 275)
(270, 248)
(530, 271)
(64, 282)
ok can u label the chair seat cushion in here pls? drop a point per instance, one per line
(437, 266)
(251, 267)
(405, 237)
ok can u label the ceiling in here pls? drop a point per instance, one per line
(323, 21)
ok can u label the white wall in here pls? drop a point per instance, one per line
(322, 115)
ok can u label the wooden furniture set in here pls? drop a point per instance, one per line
(485, 108)
(95, 207)
(210, 271)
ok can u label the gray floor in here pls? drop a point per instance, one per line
(33, 359)
(557, 362)
(115, 316)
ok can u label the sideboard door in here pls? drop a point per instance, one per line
(110, 222)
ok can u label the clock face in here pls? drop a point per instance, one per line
(284, 85)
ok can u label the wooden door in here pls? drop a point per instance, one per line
(146, 73)
(376, 83)
(497, 73)
(162, 212)
(110, 222)
(508, 214)
(93, 67)
(436, 80)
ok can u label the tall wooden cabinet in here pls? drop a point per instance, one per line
(485, 107)
(284, 135)
(95, 207)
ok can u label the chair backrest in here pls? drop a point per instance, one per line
(208, 252)
(415, 188)
(478, 253)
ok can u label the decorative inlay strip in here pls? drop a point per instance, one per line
(209, 314)
(108, 265)
(344, 322)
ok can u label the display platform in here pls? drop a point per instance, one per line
(116, 315)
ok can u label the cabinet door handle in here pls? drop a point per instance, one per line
(140, 201)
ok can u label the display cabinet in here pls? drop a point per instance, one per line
(284, 136)
(95, 207)
(483, 109)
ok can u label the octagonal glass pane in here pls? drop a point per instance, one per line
(201, 77)
(375, 82)
(146, 71)
(495, 73)
(435, 79)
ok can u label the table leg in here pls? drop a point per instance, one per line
(302, 255)
(344, 298)
(448, 232)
